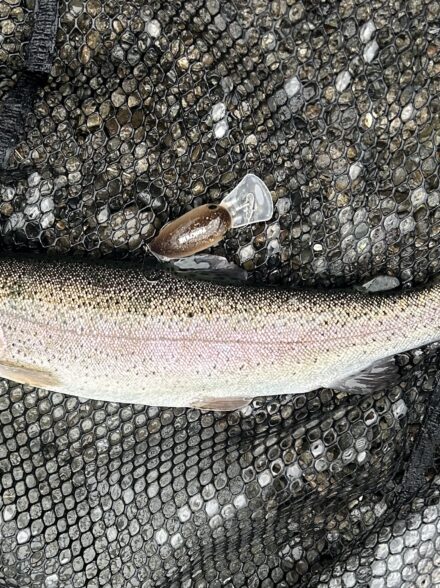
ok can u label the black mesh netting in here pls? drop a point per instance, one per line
(151, 108)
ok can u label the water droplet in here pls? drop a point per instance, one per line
(34, 179)
(400, 408)
(370, 51)
(355, 170)
(9, 512)
(273, 247)
(294, 472)
(407, 225)
(343, 81)
(317, 448)
(212, 508)
(418, 197)
(407, 112)
(367, 31)
(240, 501)
(264, 479)
(23, 536)
(221, 128)
(161, 536)
(292, 86)
(218, 111)
(153, 28)
(51, 581)
(246, 253)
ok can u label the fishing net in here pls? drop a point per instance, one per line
(118, 116)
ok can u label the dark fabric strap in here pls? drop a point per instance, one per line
(42, 43)
(18, 103)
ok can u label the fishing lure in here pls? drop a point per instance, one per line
(250, 202)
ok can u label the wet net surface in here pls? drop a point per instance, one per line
(149, 110)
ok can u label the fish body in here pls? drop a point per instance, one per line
(121, 334)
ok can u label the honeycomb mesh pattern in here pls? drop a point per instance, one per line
(150, 109)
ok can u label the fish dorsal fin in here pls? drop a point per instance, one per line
(379, 284)
(209, 267)
(377, 377)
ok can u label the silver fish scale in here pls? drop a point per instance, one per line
(150, 109)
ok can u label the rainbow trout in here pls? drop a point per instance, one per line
(121, 334)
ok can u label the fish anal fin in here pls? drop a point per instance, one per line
(377, 377)
(222, 404)
(27, 374)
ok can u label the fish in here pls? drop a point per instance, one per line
(120, 333)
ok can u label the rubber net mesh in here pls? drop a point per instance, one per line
(120, 116)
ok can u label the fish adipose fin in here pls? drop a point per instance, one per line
(222, 404)
(377, 377)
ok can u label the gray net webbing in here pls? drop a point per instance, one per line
(114, 128)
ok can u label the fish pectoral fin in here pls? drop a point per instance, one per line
(377, 377)
(222, 404)
(27, 374)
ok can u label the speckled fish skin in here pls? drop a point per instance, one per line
(120, 334)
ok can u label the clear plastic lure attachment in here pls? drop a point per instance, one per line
(249, 202)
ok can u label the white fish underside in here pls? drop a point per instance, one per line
(115, 333)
